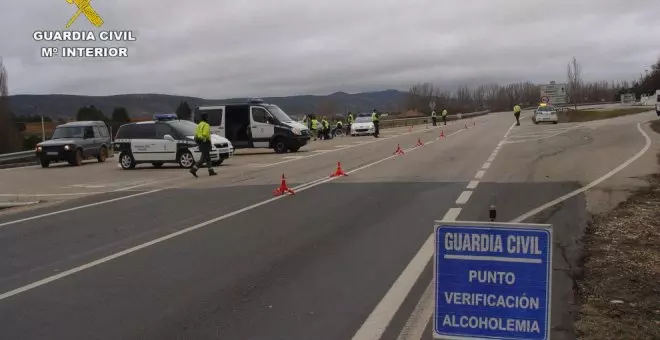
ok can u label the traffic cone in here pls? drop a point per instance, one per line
(398, 150)
(283, 189)
(442, 133)
(419, 142)
(339, 171)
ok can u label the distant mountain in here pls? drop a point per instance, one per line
(141, 105)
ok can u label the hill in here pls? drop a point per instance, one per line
(140, 105)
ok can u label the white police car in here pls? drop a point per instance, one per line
(165, 140)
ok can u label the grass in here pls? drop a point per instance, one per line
(589, 115)
(620, 286)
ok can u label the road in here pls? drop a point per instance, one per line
(158, 254)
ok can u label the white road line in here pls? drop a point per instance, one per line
(452, 214)
(416, 324)
(464, 197)
(380, 317)
(492, 157)
(592, 184)
(54, 195)
(77, 208)
(486, 165)
(411, 275)
(472, 185)
(293, 157)
(480, 174)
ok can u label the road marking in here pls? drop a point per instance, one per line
(492, 157)
(486, 165)
(293, 157)
(416, 324)
(413, 273)
(452, 214)
(342, 146)
(473, 184)
(54, 195)
(479, 174)
(77, 208)
(464, 197)
(613, 172)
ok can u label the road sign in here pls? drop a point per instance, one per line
(432, 105)
(556, 93)
(545, 99)
(492, 280)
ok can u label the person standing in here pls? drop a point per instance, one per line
(315, 127)
(376, 120)
(203, 140)
(516, 113)
(326, 128)
(444, 116)
(434, 118)
(348, 125)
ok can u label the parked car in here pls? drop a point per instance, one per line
(545, 113)
(363, 125)
(74, 142)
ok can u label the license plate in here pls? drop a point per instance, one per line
(52, 153)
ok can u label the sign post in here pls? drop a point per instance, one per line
(492, 280)
(432, 104)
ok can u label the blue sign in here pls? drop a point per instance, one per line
(492, 280)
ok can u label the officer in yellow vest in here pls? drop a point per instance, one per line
(350, 123)
(326, 128)
(315, 127)
(444, 116)
(516, 113)
(203, 139)
(376, 120)
(434, 118)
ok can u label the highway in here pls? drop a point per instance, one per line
(159, 254)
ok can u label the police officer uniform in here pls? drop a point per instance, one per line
(203, 139)
(375, 119)
(434, 118)
(516, 113)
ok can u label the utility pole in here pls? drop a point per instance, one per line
(43, 130)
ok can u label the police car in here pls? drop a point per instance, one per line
(166, 139)
(545, 113)
(255, 124)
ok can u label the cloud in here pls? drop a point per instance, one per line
(219, 49)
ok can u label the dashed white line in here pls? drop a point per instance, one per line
(480, 174)
(473, 184)
(491, 158)
(486, 165)
(452, 214)
(464, 197)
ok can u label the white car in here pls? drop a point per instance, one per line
(362, 126)
(545, 113)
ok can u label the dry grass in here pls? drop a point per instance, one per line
(620, 289)
(589, 115)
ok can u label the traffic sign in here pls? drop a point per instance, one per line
(492, 280)
(432, 105)
(545, 99)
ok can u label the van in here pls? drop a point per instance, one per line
(255, 124)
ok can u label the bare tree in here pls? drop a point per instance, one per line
(9, 138)
(574, 74)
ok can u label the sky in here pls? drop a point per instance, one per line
(221, 49)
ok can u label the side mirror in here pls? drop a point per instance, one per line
(169, 138)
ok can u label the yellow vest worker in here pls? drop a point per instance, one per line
(516, 109)
(516, 113)
(203, 139)
(350, 118)
(203, 132)
(376, 121)
(315, 124)
(444, 112)
(325, 123)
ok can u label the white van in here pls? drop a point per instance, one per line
(255, 124)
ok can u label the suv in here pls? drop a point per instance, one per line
(159, 142)
(74, 142)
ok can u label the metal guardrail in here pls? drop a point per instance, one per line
(399, 122)
(17, 156)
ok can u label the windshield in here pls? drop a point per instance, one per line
(278, 113)
(62, 132)
(186, 127)
(363, 119)
(546, 108)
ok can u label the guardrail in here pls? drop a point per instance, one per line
(399, 122)
(17, 156)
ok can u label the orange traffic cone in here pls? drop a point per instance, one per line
(339, 171)
(398, 150)
(419, 142)
(442, 133)
(283, 189)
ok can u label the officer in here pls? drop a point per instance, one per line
(350, 122)
(444, 116)
(203, 139)
(314, 127)
(434, 118)
(375, 119)
(326, 128)
(516, 113)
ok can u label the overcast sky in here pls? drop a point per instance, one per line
(221, 49)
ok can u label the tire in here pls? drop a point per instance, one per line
(126, 161)
(186, 159)
(103, 155)
(157, 165)
(555, 122)
(294, 149)
(44, 163)
(78, 158)
(279, 145)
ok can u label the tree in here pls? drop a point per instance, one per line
(120, 115)
(90, 113)
(9, 136)
(184, 111)
(574, 74)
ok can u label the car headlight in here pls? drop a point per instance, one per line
(296, 131)
(39, 149)
(67, 148)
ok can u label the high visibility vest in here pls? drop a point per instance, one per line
(444, 112)
(374, 117)
(516, 109)
(315, 124)
(433, 114)
(203, 131)
(325, 124)
(350, 119)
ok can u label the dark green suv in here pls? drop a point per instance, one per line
(74, 142)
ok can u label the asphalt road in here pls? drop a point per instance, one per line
(158, 254)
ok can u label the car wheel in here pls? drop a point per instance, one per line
(279, 145)
(44, 163)
(157, 165)
(186, 159)
(78, 158)
(294, 149)
(103, 155)
(126, 161)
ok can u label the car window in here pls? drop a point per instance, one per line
(259, 114)
(89, 132)
(215, 117)
(126, 131)
(62, 132)
(103, 131)
(97, 132)
(145, 131)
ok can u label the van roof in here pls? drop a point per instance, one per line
(85, 123)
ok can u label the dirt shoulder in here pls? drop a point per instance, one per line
(573, 116)
(620, 287)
